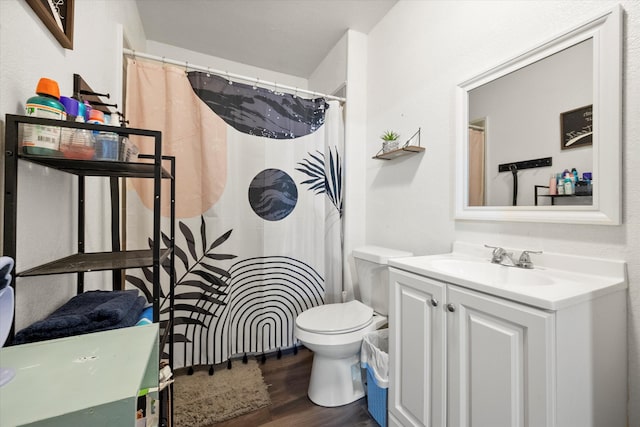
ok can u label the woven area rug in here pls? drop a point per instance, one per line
(202, 399)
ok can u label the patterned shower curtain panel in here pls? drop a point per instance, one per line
(268, 244)
(258, 111)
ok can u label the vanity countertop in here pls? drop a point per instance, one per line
(556, 281)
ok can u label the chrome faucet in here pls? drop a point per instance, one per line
(525, 259)
(500, 255)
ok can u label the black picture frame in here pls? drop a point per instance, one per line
(58, 19)
(576, 128)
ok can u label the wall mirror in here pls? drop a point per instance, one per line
(553, 108)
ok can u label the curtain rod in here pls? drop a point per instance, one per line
(226, 74)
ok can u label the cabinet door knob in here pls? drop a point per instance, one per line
(434, 302)
(451, 307)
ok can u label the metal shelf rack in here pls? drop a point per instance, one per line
(151, 167)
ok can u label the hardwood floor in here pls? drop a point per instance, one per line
(288, 379)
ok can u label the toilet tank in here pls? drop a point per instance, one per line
(373, 275)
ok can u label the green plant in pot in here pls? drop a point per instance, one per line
(389, 141)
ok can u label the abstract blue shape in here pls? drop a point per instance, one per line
(273, 194)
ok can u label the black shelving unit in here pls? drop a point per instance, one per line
(115, 260)
(554, 197)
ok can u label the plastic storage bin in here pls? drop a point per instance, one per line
(374, 357)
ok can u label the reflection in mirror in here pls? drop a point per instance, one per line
(538, 137)
(477, 162)
(524, 109)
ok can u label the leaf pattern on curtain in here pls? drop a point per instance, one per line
(259, 111)
(218, 306)
(204, 281)
(322, 181)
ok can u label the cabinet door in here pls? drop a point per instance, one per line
(500, 362)
(416, 350)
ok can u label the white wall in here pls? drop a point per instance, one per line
(331, 74)
(46, 198)
(417, 55)
(355, 215)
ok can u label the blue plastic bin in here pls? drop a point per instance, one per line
(376, 399)
(375, 359)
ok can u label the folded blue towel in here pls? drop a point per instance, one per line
(114, 309)
(91, 311)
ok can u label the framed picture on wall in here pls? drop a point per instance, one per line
(576, 128)
(57, 16)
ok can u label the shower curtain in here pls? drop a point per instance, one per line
(258, 207)
(476, 167)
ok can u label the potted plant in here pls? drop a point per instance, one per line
(389, 141)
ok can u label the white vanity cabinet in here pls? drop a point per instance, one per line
(417, 351)
(499, 361)
(459, 357)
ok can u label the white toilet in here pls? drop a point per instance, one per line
(334, 332)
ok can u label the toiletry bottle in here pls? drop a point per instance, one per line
(87, 111)
(39, 139)
(106, 145)
(568, 186)
(587, 177)
(553, 187)
(560, 184)
(71, 108)
(77, 143)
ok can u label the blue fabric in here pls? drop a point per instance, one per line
(146, 316)
(91, 311)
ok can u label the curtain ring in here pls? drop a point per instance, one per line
(255, 84)
(163, 62)
(186, 67)
(134, 56)
(208, 72)
(228, 78)
(295, 94)
(275, 87)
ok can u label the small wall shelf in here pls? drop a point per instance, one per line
(405, 150)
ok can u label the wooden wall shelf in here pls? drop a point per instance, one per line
(404, 151)
(407, 149)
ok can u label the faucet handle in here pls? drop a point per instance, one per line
(498, 253)
(525, 259)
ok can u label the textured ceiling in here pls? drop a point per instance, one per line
(288, 36)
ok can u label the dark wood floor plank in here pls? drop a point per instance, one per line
(288, 380)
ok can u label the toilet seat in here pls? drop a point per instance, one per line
(340, 318)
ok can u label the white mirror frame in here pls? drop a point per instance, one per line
(606, 31)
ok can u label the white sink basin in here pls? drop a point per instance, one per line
(494, 274)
